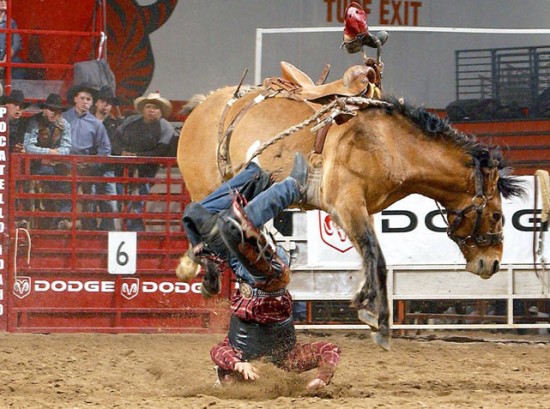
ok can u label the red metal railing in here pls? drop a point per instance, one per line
(65, 284)
(8, 65)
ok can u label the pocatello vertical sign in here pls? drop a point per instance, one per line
(3, 215)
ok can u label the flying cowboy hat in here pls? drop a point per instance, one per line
(16, 97)
(154, 98)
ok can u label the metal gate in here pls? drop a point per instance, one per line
(62, 280)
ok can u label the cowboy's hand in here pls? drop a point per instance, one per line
(247, 370)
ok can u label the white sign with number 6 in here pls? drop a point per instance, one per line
(122, 252)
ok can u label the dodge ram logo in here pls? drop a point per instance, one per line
(129, 288)
(332, 235)
(22, 287)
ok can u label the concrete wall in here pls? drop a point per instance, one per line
(207, 44)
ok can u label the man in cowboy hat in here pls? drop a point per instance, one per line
(48, 133)
(15, 104)
(103, 110)
(89, 137)
(147, 133)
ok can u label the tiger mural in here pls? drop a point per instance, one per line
(129, 26)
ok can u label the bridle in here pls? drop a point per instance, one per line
(479, 202)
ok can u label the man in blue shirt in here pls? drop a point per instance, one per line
(89, 137)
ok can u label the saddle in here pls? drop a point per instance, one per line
(357, 80)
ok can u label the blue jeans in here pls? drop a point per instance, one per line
(105, 206)
(220, 199)
(264, 207)
(137, 207)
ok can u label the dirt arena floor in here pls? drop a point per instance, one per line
(433, 370)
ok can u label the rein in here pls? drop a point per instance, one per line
(479, 201)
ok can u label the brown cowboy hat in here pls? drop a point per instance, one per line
(53, 102)
(16, 97)
(106, 93)
(154, 98)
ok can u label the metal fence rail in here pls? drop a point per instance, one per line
(511, 75)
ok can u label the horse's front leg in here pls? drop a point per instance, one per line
(371, 298)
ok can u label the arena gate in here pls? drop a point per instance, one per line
(84, 280)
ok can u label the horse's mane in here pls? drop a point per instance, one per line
(436, 127)
(195, 101)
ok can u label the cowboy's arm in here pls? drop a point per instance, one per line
(65, 142)
(225, 356)
(104, 144)
(160, 150)
(31, 142)
(117, 146)
(163, 145)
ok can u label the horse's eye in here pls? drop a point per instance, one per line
(497, 216)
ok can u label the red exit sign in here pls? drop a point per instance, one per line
(389, 12)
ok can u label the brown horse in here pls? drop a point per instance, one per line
(386, 152)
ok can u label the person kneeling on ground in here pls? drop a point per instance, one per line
(224, 230)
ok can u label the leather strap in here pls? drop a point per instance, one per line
(324, 75)
(321, 138)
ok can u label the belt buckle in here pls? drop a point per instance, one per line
(246, 290)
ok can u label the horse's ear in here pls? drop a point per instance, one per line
(492, 180)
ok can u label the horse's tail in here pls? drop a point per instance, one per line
(195, 101)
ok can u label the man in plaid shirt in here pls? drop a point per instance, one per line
(224, 229)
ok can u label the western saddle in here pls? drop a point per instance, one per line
(358, 80)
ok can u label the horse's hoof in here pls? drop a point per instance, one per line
(368, 318)
(383, 341)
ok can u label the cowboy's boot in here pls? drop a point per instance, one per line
(300, 174)
(256, 251)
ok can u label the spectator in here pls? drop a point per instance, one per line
(48, 133)
(15, 104)
(89, 137)
(16, 44)
(147, 133)
(103, 110)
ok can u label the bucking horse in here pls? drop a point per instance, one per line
(365, 153)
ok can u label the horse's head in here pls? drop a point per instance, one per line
(473, 197)
(475, 221)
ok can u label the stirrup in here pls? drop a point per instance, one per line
(211, 282)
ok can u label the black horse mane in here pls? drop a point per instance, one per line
(436, 127)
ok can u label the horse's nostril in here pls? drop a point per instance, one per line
(480, 265)
(496, 267)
